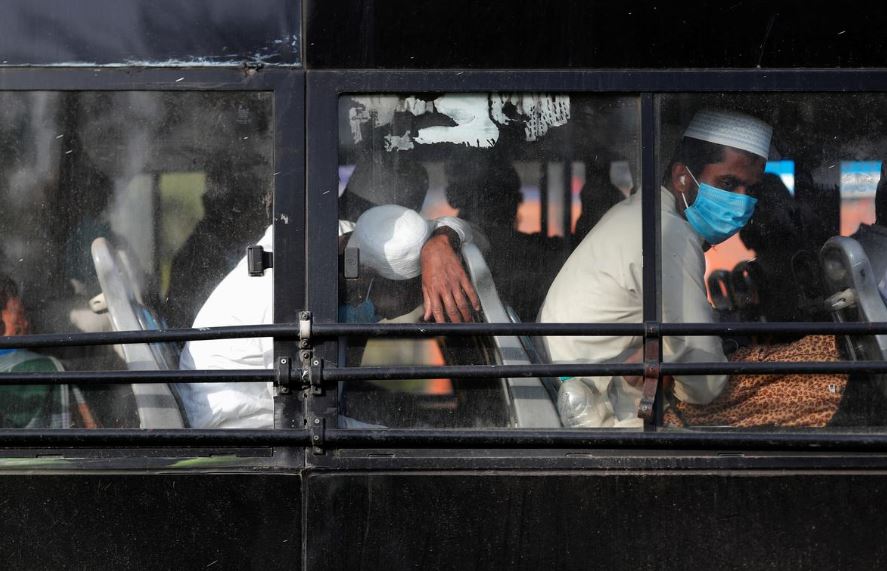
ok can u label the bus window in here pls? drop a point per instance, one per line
(514, 183)
(124, 210)
(778, 196)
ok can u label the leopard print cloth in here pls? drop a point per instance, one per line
(771, 400)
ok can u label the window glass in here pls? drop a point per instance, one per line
(500, 188)
(762, 227)
(123, 210)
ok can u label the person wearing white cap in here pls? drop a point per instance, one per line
(395, 243)
(705, 199)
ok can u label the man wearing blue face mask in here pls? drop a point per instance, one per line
(706, 197)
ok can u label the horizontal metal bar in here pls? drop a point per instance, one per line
(589, 329)
(752, 328)
(595, 369)
(799, 440)
(147, 438)
(473, 329)
(139, 377)
(810, 440)
(354, 374)
(334, 374)
(421, 330)
(280, 330)
(778, 367)
(632, 81)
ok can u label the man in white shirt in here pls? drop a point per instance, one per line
(704, 200)
(415, 246)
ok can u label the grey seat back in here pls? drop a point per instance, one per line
(852, 296)
(156, 403)
(530, 400)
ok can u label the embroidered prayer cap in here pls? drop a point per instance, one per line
(732, 130)
(390, 239)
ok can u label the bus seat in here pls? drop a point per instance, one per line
(873, 239)
(530, 400)
(720, 290)
(156, 403)
(852, 295)
(747, 280)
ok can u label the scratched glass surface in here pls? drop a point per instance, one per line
(527, 175)
(122, 210)
(146, 33)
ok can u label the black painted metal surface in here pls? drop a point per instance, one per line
(403, 34)
(157, 521)
(149, 32)
(595, 521)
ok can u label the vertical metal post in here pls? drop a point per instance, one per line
(322, 295)
(289, 233)
(650, 207)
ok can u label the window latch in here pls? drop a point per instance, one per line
(351, 263)
(258, 260)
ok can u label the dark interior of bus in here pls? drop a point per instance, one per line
(177, 213)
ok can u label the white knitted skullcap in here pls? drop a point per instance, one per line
(390, 239)
(731, 129)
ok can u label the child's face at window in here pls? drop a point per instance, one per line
(14, 319)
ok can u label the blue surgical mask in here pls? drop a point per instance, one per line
(717, 214)
(363, 312)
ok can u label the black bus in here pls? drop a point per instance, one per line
(203, 367)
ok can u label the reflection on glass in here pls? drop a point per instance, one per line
(494, 191)
(123, 210)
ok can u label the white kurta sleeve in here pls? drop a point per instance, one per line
(457, 225)
(684, 300)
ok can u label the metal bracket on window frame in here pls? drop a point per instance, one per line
(646, 408)
(312, 373)
(312, 366)
(305, 341)
(317, 430)
(284, 376)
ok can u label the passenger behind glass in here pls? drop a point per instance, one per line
(485, 189)
(446, 291)
(243, 300)
(31, 406)
(780, 230)
(705, 198)
(236, 212)
(598, 196)
(873, 237)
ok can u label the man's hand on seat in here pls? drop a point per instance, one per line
(446, 289)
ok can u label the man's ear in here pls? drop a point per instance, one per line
(679, 179)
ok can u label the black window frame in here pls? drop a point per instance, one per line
(306, 133)
(365, 447)
(286, 84)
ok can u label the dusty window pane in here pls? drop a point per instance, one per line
(812, 248)
(122, 210)
(494, 189)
